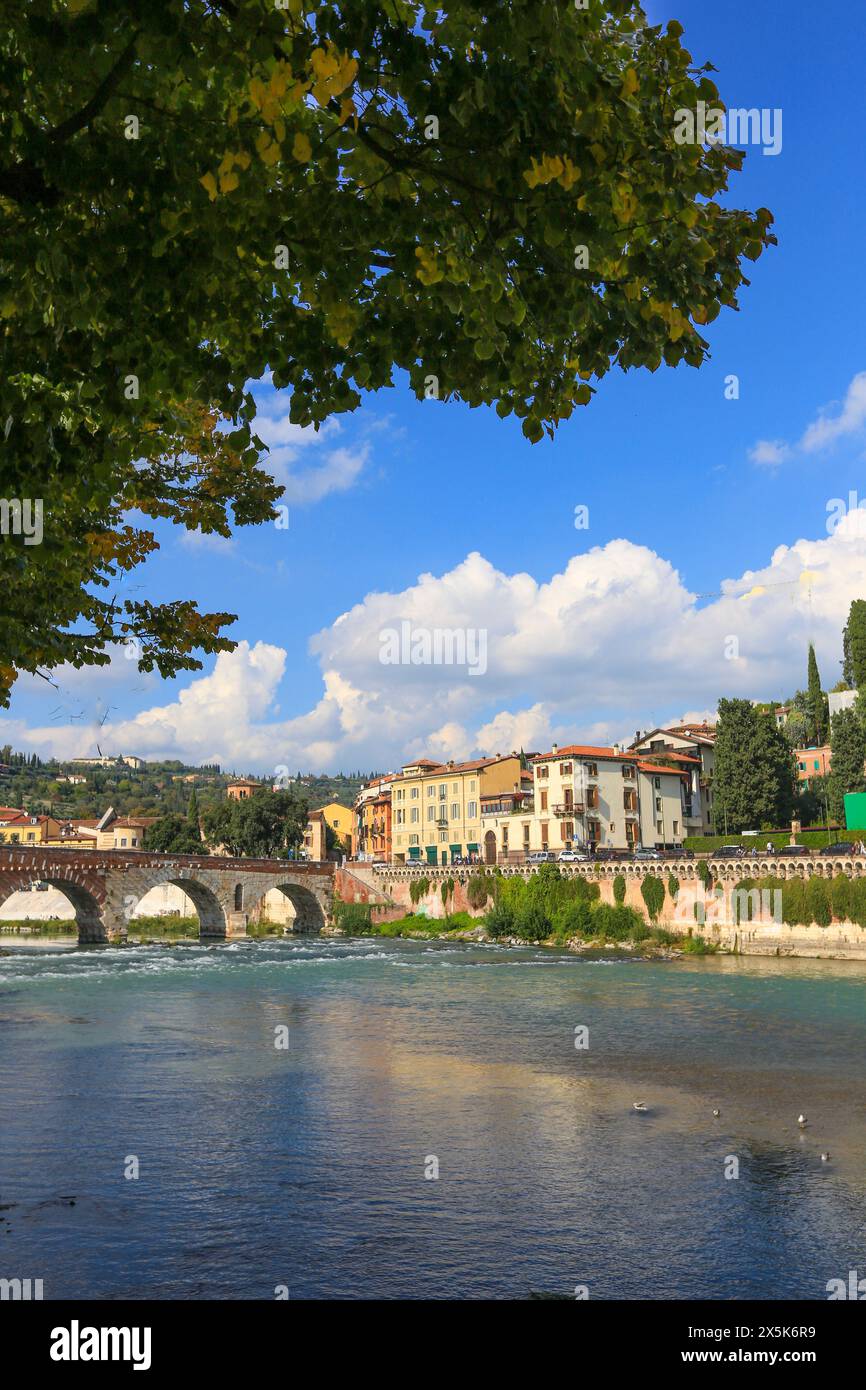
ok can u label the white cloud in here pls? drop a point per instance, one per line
(849, 420)
(291, 446)
(833, 423)
(612, 643)
(769, 453)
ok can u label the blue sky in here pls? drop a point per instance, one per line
(401, 489)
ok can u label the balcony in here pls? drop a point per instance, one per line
(575, 808)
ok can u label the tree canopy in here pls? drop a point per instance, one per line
(488, 197)
(753, 773)
(265, 826)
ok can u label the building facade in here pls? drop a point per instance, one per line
(436, 807)
(695, 741)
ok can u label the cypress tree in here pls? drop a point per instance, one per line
(817, 700)
(854, 645)
(754, 776)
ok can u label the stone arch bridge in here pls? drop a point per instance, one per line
(105, 886)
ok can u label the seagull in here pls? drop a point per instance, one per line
(716, 1114)
(802, 1121)
(639, 1105)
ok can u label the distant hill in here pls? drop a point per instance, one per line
(155, 789)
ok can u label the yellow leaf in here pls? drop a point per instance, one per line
(324, 64)
(208, 183)
(629, 83)
(228, 182)
(301, 148)
(347, 109)
(569, 175)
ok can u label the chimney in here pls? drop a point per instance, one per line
(637, 735)
(555, 748)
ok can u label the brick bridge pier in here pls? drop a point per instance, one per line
(105, 886)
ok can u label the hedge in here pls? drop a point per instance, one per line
(778, 839)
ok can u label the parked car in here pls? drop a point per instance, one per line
(794, 849)
(573, 856)
(646, 852)
(729, 852)
(608, 852)
(541, 856)
(840, 847)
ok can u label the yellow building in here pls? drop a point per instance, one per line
(20, 828)
(341, 819)
(436, 807)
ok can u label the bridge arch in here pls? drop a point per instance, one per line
(309, 913)
(209, 909)
(86, 899)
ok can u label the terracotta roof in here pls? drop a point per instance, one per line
(656, 768)
(9, 811)
(672, 753)
(422, 762)
(584, 750)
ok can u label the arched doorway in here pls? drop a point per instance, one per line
(490, 848)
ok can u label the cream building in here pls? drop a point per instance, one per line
(697, 742)
(436, 807)
(585, 797)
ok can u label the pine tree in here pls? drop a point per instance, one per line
(848, 749)
(817, 701)
(192, 812)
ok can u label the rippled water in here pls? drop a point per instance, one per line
(305, 1167)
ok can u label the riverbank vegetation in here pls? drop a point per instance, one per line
(547, 908)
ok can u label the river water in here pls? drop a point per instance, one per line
(304, 1168)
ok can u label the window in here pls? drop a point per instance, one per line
(414, 793)
(543, 806)
(472, 786)
(455, 787)
(525, 835)
(676, 824)
(816, 765)
(472, 810)
(541, 772)
(443, 837)
(802, 767)
(123, 843)
(544, 834)
(431, 812)
(657, 781)
(398, 794)
(413, 839)
(660, 827)
(565, 769)
(505, 837)
(658, 803)
(414, 815)
(567, 832)
(455, 810)
(431, 790)
(612, 828)
(443, 792)
(400, 815)
(628, 770)
(592, 769)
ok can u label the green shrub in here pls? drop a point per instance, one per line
(499, 920)
(352, 917)
(857, 889)
(818, 907)
(573, 919)
(531, 923)
(704, 873)
(673, 887)
(619, 889)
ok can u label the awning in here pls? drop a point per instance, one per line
(414, 852)
(455, 849)
(432, 855)
(472, 849)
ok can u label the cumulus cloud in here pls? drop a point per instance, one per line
(612, 643)
(769, 453)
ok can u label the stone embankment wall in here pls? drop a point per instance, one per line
(387, 889)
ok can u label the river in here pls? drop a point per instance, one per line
(302, 1168)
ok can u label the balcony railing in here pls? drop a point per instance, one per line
(575, 808)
